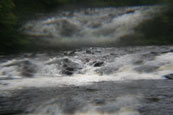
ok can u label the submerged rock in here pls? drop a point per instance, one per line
(107, 70)
(25, 67)
(146, 68)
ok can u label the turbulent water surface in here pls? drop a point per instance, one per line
(91, 81)
(120, 81)
(92, 26)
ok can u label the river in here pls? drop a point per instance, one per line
(104, 80)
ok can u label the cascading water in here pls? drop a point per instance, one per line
(91, 27)
(91, 81)
(85, 66)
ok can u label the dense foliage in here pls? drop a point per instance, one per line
(14, 12)
(8, 21)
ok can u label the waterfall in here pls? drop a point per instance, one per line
(90, 27)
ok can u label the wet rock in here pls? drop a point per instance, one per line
(167, 51)
(70, 53)
(90, 89)
(155, 53)
(98, 64)
(130, 11)
(171, 50)
(89, 52)
(112, 54)
(148, 56)
(169, 76)
(87, 60)
(25, 67)
(66, 60)
(153, 99)
(99, 101)
(138, 62)
(69, 67)
(111, 15)
(66, 72)
(28, 69)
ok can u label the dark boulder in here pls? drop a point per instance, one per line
(91, 89)
(98, 64)
(138, 62)
(155, 53)
(171, 50)
(89, 52)
(69, 67)
(168, 51)
(28, 69)
(99, 101)
(169, 76)
(66, 72)
(130, 11)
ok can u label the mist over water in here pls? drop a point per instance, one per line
(92, 26)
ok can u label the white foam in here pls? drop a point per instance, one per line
(122, 68)
(92, 26)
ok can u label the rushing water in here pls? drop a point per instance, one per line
(83, 66)
(91, 27)
(118, 81)
(91, 81)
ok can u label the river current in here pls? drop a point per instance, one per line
(129, 80)
(92, 26)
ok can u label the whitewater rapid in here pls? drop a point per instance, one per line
(92, 26)
(89, 81)
(86, 66)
